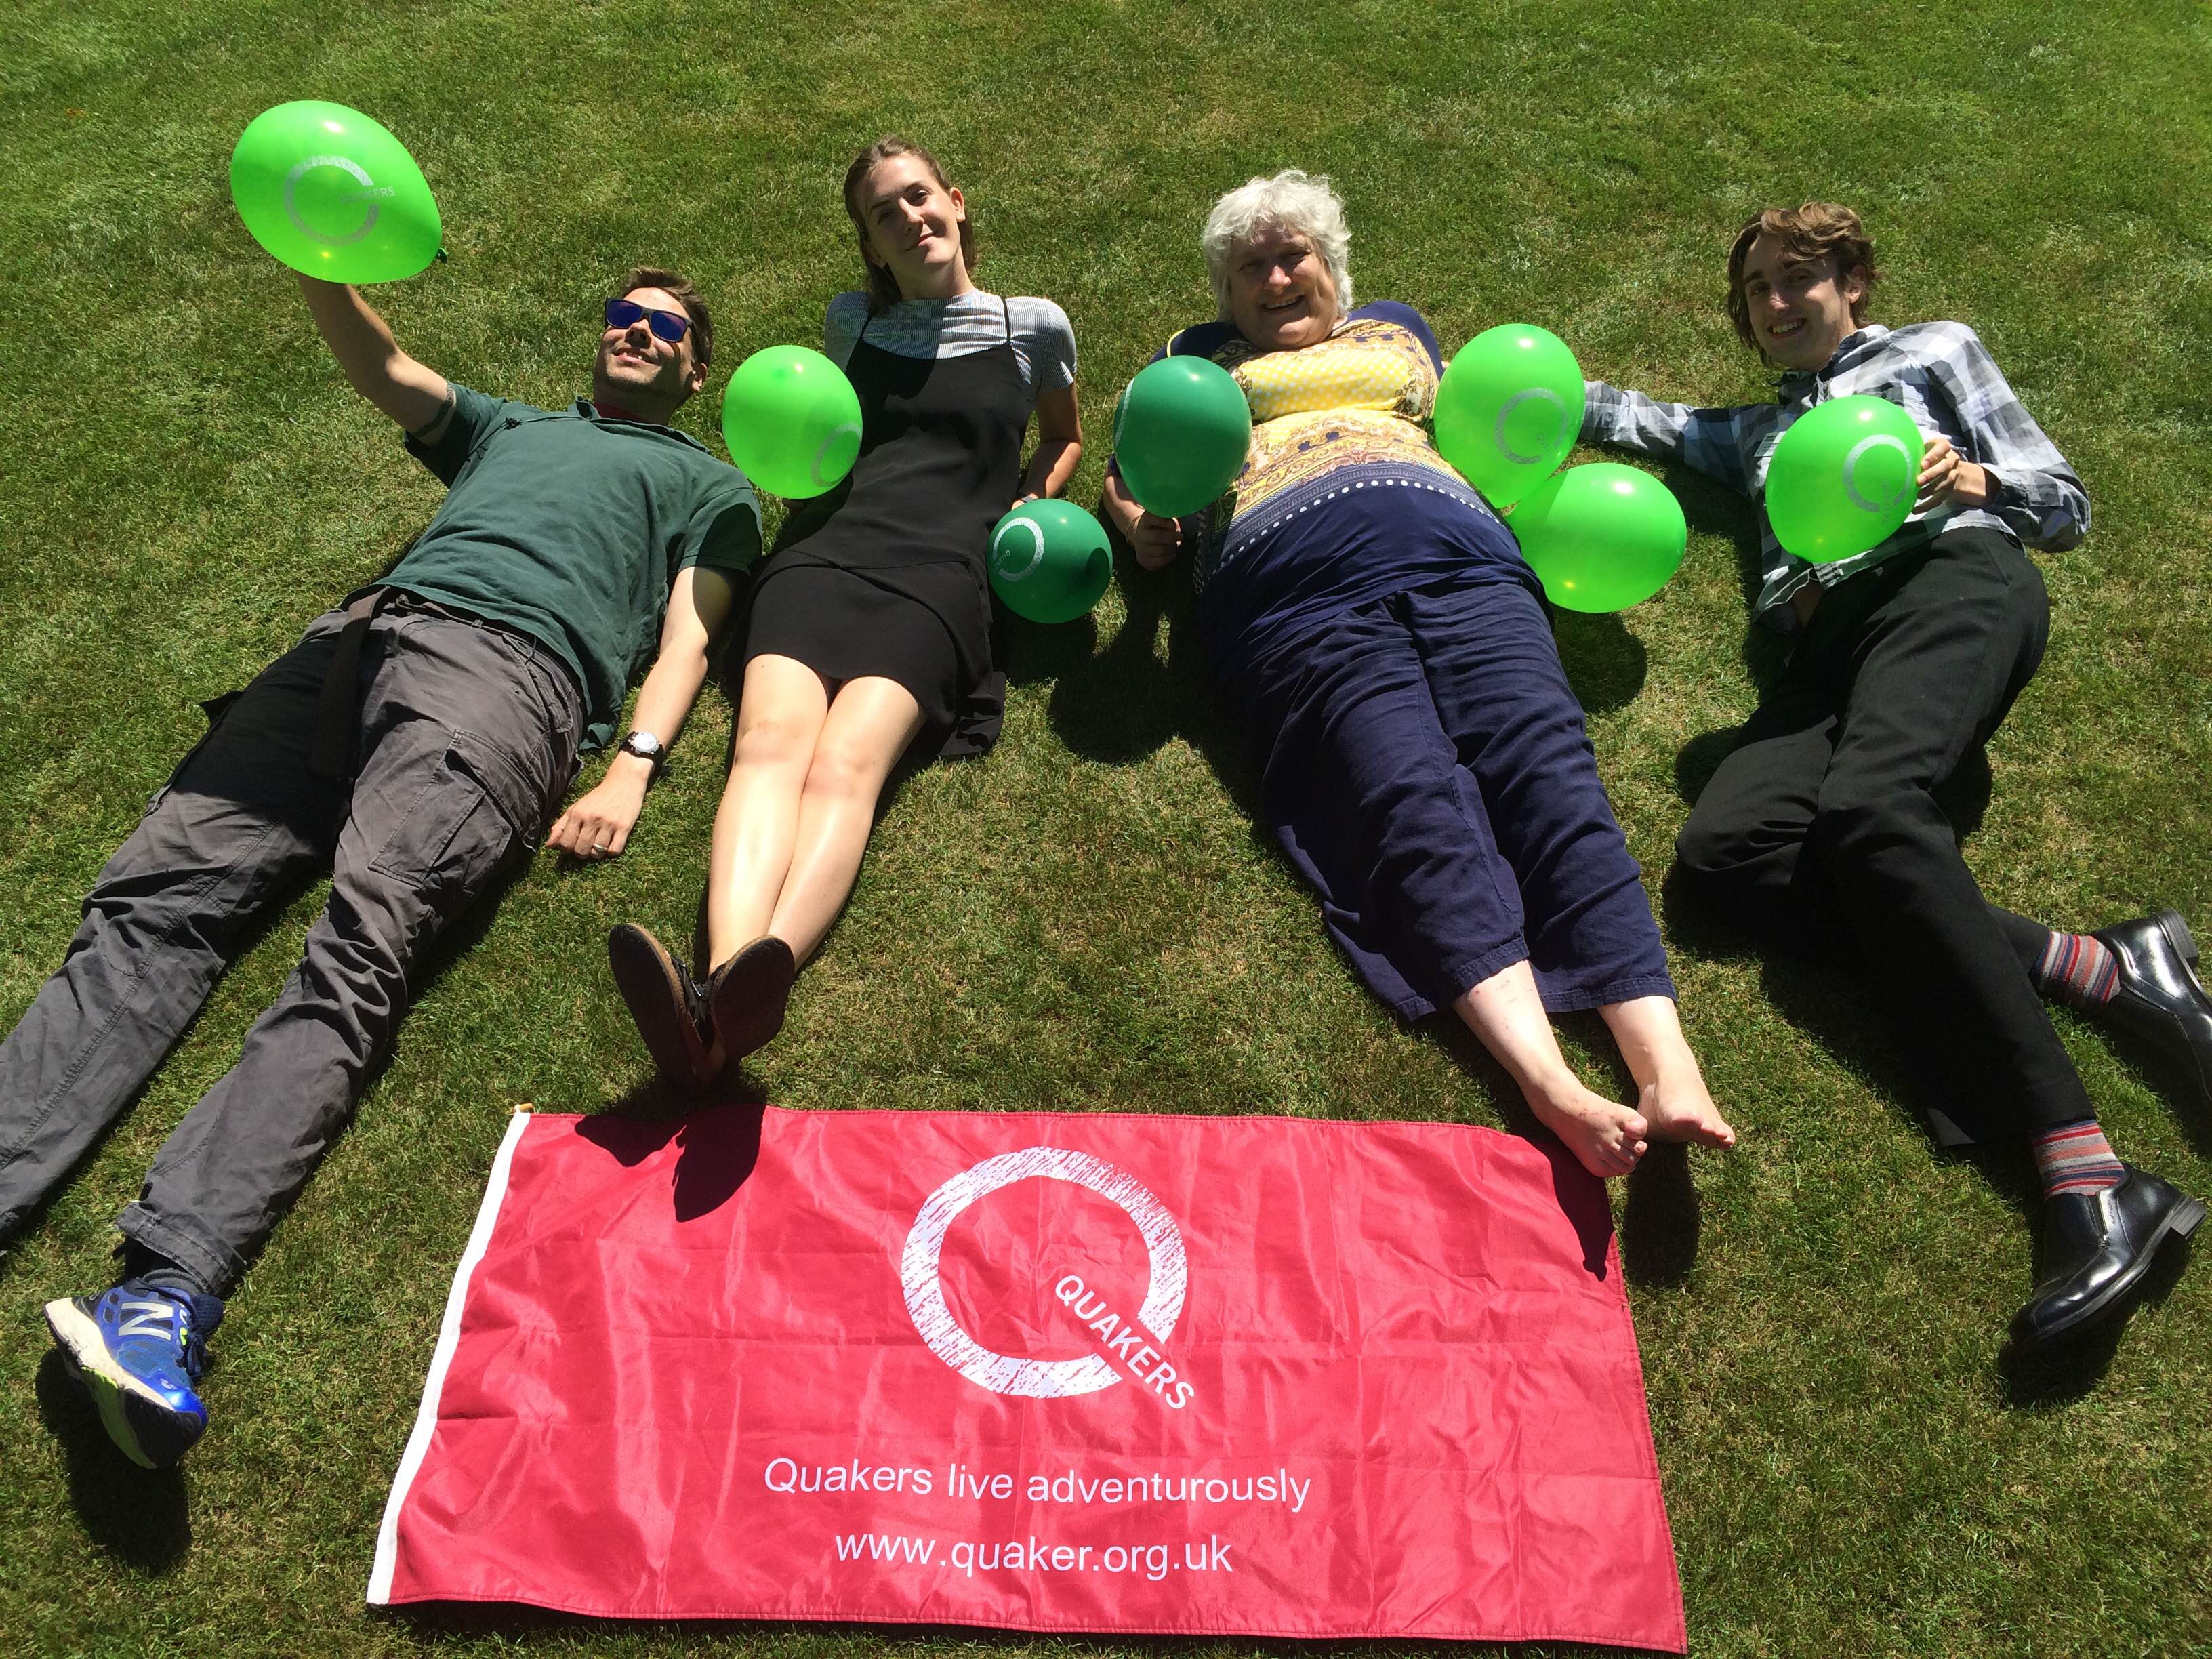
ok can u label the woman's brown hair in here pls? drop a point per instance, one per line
(1817, 230)
(883, 287)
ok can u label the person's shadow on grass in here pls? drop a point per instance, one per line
(142, 1517)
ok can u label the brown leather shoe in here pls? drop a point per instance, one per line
(668, 1006)
(746, 996)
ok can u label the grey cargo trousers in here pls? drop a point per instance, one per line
(468, 737)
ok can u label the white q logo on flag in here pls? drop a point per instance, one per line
(1038, 1379)
(368, 193)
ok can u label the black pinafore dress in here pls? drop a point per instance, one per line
(885, 575)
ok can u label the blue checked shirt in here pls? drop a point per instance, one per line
(1940, 373)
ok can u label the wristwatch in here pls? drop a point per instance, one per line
(647, 748)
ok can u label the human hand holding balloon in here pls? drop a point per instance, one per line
(1948, 478)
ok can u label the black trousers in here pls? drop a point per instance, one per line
(468, 739)
(1822, 829)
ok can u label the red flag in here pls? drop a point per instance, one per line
(1046, 1372)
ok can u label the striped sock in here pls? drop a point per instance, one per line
(2076, 1158)
(2077, 970)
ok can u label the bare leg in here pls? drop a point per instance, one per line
(1671, 1090)
(870, 722)
(1505, 1011)
(780, 714)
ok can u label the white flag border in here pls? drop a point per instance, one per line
(449, 1337)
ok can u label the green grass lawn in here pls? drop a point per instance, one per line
(1088, 918)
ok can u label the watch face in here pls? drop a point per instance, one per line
(644, 745)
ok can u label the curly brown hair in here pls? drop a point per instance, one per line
(677, 287)
(1817, 230)
(883, 287)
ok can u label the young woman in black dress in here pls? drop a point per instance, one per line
(870, 622)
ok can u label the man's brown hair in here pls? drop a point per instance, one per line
(677, 287)
(883, 287)
(1817, 230)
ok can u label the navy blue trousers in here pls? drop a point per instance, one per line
(1424, 767)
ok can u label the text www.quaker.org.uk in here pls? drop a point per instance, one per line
(969, 1556)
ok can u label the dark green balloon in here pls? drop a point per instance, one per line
(1050, 562)
(1843, 478)
(333, 194)
(1601, 537)
(1180, 434)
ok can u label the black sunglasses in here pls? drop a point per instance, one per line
(669, 325)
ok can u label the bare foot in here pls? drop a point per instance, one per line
(1607, 1137)
(1678, 1108)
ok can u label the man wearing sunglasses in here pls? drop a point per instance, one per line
(413, 745)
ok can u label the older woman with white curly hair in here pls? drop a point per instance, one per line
(1422, 757)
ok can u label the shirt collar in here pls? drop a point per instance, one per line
(1858, 346)
(590, 411)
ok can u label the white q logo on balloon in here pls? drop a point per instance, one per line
(835, 433)
(370, 189)
(1880, 440)
(1559, 417)
(1008, 561)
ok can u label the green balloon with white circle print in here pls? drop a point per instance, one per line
(1843, 478)
(1509, 409)
(332, 194)
(1182, 433)
(1050, 562)
(791, 420)
(1601, 537)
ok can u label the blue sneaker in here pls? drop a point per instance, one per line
(138, 1350)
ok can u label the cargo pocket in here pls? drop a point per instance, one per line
(473, 813)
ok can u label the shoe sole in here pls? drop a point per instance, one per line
(119, 1396)
(2180, 1222)
(749, 995)
(652, 989)
(2178, 934)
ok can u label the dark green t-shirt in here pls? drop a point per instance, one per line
(571, 527)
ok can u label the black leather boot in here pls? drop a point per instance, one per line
(2096, 1248)
(2160, 997)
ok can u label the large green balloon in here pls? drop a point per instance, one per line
(1509, 410)
(1050, 562)
(1601, 537)
(332, 193)
(1180, 434)
(1843, 478)
(791, 420)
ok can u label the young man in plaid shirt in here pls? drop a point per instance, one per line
(1822, 825)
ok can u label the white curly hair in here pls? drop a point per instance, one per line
(1292, 200)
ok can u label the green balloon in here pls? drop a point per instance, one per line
(1049, 561)
(333, 194)
(791, 420)
(1601, 537)
(1180, 434)
(1843, 478)
(1509, 409)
